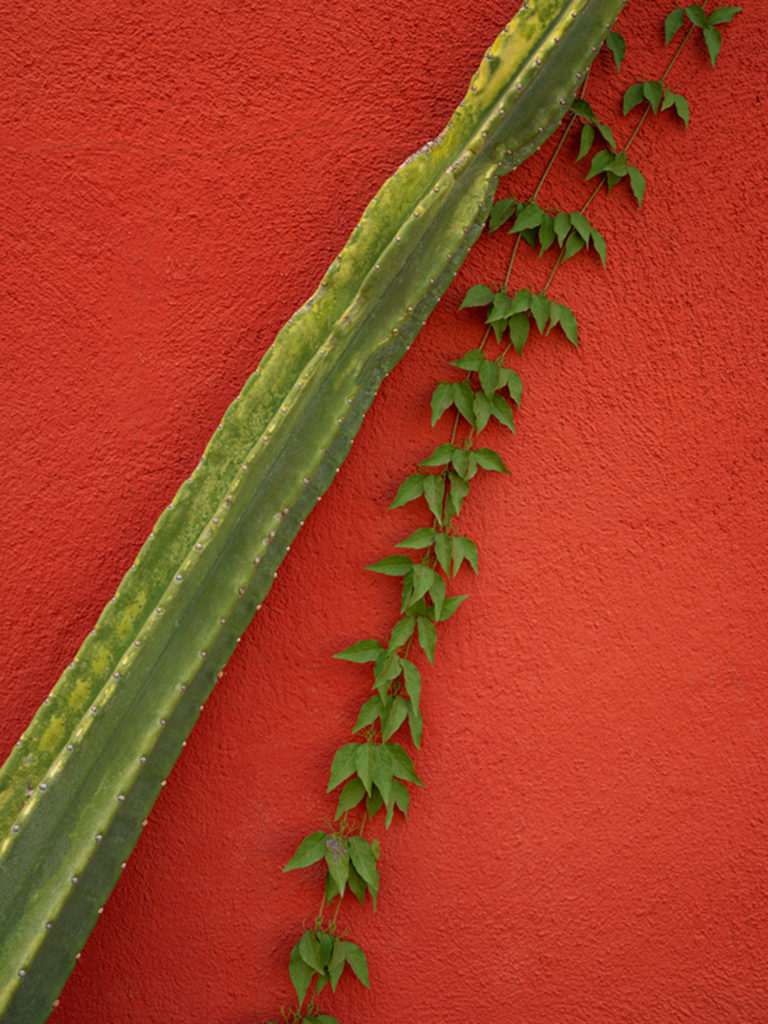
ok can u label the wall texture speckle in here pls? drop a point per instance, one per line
(590, 847)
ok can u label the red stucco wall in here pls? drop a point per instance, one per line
(590, 846)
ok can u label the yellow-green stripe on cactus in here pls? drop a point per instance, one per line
(79, 783)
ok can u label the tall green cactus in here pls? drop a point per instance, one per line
(80, 782)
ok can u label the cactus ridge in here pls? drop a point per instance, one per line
(77, 787)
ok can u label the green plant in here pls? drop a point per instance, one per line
(371, 774)
(76, 789)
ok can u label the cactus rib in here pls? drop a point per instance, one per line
(78, 785)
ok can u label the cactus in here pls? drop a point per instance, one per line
(79, 784)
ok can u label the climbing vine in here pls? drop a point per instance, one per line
(371, 774)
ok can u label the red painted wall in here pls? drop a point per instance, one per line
(590, 845)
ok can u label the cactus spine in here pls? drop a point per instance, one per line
(80, 782)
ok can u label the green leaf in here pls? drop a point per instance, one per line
(471, 360)
(442, 399)
(459, 490)
(489, 376)
(427, 637)
(530, 215)
(723, 14)
(600, 247)
(410, 489)
(397, 709)
(546, 233)
(487, 458)
(607, 135)
(616, 44)
(402, 631)
(714, 41)
(637, 183)
(520, 302)
(403, 765)
(440, 456)
(540, 309)
(401, 799)
(350, 797)
(519, 327)
(405, 596)
(369, 712)
(415, 724)
(574, 243)
(322, 1019)
(309, 950)
(343, 764)
(443, 551)
(482, 408)
(394, 565)
(337, 857)
(653, 91)
(356, 886)
(423, 578)
(478, 295)
(365, 764)
(562, 227)
(462, 398)
(514, 385)
(680, 103)
(336, 964)
(360, 652)
(364, 862)
(450, 606)
(386, 668)
(434, 489)
(424, 537)
(673, 24)
(696, 14)
(582, 109)
(586, 140)
(502, 412)
(602, 159)
(325, 944)
(309, 851)
(618, 165)
(460, 462)
(374, 803)
(464, 549)
(301, 973)
(565, 317)
(355, 957)
(412, 680)
(383, 768)
(501, 308)
(437, 594)
(582, 225)
(501, 211)
(612, 180)
(632, 97)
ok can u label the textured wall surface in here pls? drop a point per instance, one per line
(591, 842)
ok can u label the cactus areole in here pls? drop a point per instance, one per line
(78, 785)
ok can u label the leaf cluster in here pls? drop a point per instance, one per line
(377, 773)
(349, 859)
(516, 314)
(659, 97)
(570, 232)
(699, 19)
(321, 957)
